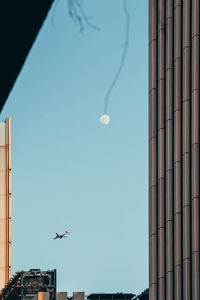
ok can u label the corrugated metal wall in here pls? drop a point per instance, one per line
(174, 149)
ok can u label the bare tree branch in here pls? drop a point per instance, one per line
(72, 9)
(86, 19)
(53, 12)
(125, 10)
(77, 13)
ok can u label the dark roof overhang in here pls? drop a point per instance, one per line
(20, 22)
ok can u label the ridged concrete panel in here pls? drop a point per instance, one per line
(153, 140)
(174, 149)
(195, 151)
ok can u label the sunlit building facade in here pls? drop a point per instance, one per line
(174, 133)
(5, 202)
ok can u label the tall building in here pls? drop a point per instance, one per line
(174, 133)
(5, 202)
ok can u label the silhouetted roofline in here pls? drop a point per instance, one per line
(108, 295)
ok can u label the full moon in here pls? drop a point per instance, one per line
(104, 119)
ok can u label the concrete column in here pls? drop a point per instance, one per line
(153, 162)
(195, 149)
(161, 150)
(177, 149)
(169, 149)
(186, 150)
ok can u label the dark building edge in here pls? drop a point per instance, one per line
(20, 22)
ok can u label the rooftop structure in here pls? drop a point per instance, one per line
(27, 285)
(111, 296)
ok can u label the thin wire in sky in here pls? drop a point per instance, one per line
(107, 97)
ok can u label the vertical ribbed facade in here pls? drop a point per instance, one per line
(5, 202)
(174, 133)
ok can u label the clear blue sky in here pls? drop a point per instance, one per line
(69, 171)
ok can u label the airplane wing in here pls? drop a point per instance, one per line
(63, 235)
(57, 236)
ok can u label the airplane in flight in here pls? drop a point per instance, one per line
(60, 236)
